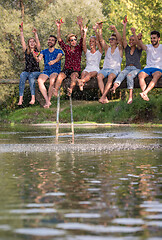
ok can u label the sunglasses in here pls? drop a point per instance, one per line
(74, 39)
(112, 39)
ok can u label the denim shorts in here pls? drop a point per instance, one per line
(151, 70)
(107, 71)
(49, 72)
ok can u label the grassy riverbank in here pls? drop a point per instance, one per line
(90, 111)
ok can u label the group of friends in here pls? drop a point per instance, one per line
(73, 48)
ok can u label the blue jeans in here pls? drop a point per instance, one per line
(31, 76)
(130, 72)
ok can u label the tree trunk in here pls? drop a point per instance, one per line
(22, 9)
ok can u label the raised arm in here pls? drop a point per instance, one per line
(80, 23)
(58, 24)
(104, 45)
(22, 37)
(84, 39)
(138, 39)
(37, 39)
(119, 38)
(124, 34)
(97, 39)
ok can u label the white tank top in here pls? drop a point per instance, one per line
(113, 61)
(93, 61)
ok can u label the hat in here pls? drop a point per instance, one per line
(69, 36)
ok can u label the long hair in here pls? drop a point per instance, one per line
(28, 47)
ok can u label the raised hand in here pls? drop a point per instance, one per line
(79, 20)
(58, 23)
(34, 30)
(112, 27)
(99, 25)
(133, 30)
(85, 29)
(95, 27)
(21, 27)
(139, 36)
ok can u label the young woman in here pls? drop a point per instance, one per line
(133, 66)
(32, 69)
(93, 58)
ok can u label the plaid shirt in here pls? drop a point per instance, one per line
(72, 57)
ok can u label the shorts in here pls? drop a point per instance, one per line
(68, 72)
(107, 71)
(49, 72)
(151, 70)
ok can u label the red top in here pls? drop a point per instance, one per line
(72, 57)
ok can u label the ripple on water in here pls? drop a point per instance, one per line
(90, 237)
(152, 206)
(33, 211)
(128, 221)
(40, 231)
(98, 228)
(5, 227)
(82, 215)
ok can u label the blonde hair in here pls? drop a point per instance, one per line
(69, 36)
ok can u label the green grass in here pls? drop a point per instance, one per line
(116, 111)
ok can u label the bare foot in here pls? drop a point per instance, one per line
(55, 92)
(19, 103)
(47, 105)
(81, 84)
(130, 101)
(32, 102)
(144, 96)
(103, 100)
(69, 91)
(112, 90)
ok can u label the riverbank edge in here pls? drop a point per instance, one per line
(90, 124)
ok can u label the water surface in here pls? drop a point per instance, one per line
(107, 185)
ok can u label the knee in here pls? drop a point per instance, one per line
(40, 81)
(130, 77)
(99, 77)
(31, 78)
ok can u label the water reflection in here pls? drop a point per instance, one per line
(80, 195)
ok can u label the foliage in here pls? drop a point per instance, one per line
(42, 15)
(145, 16)
(114, 112)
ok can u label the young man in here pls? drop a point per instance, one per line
(133, 65)
(112, 61)
(52, 67)
(73, 53)
(154, 64)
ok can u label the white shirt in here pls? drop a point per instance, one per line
(92, 61)
(154, 56)
(113, 61)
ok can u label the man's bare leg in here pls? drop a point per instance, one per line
(104, 99)
(113, 89)
(151, 85)
(59, 80)
(74, 76)
(52, 79)
(142, 83)
(41, 80)
(100, 81)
